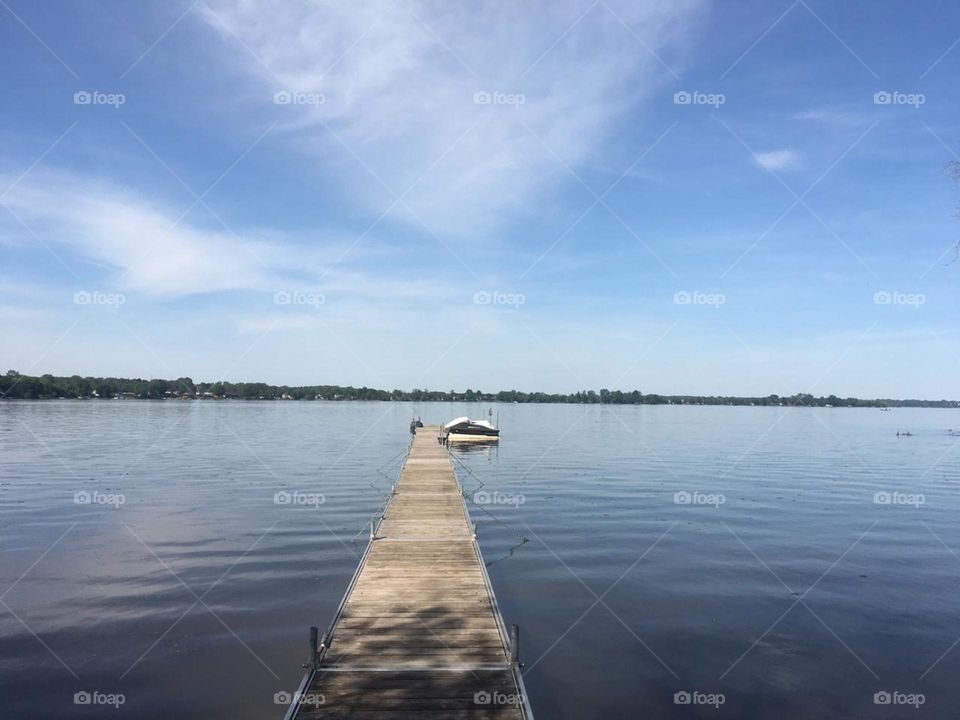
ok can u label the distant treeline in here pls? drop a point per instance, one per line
(26, 387)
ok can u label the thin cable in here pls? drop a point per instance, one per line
(523, 538)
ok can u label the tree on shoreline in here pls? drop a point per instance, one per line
(13, 385)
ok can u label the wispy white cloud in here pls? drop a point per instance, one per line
(24, 313)
(147, 247)
(832, 115)
(116, 228)
(400, 81)
(778, 159)
(278, 322)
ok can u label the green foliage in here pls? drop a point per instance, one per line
(25, 387)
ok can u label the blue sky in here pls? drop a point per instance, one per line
(513, 195)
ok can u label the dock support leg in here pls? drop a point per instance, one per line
(515, 644)
(373, 530)
(314, 647)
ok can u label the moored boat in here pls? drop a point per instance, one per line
(463, 429)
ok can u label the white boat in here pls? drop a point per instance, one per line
(463, 429)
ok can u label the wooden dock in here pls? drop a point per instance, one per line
(418, 633)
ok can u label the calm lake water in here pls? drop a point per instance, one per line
(706, 550)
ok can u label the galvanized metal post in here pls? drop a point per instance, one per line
(474, 531)
(373, 532)
(515, 644)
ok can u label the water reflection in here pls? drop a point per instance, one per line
(476, 449)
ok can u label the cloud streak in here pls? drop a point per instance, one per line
(778, 159)
(453, 104)
(146, 247)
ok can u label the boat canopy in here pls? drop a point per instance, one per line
(456, 422)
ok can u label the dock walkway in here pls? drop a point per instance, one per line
(419, 633)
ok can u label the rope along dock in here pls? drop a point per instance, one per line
(419, 633)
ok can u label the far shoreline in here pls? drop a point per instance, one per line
(16, 386)
(865, 404)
